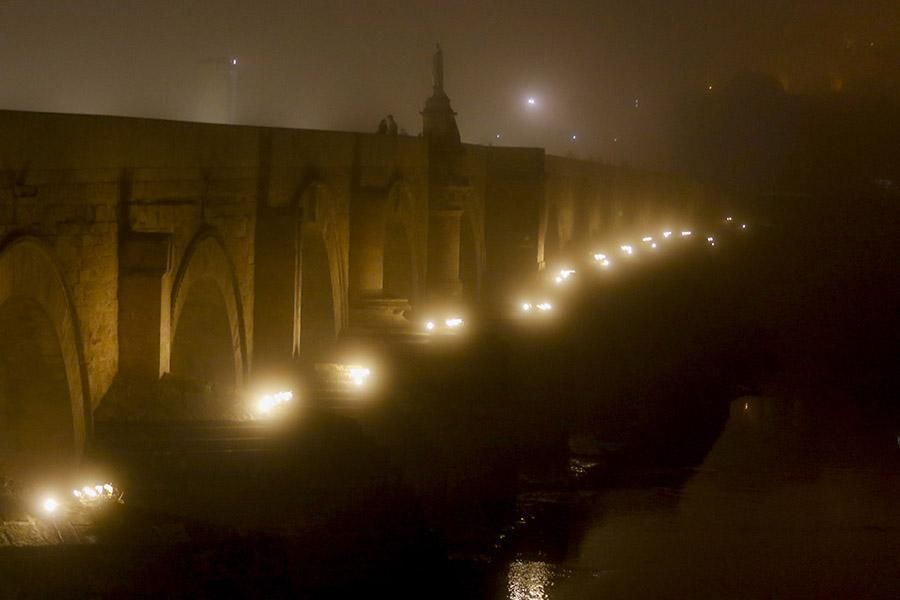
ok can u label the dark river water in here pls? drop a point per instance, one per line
(798, 498)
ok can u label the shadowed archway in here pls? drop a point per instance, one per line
(317, 303)
(208, 342)
(44, 397)
(399, 278)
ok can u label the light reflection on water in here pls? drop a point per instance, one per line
(530, 580)
(793, 500)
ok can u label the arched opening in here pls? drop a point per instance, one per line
(468, 260)
(206, 301)
(397, 281)
(202, 349)
(551, 237)
(36, 420)
(317, 320)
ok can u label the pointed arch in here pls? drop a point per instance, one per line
(206, 279)
(37, 314)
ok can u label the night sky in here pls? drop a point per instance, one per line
(344, 65)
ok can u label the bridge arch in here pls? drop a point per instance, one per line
(321, 300)
(45, 402)
(400, 277)
(208, 335)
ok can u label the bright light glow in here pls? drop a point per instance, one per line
(667, 234)
(89, 491)
(627, 249)
(108, 487)
(710, 239)
(599, 257)
(647, 239)
(76, 493)
(453, 322)
(574, 137)
(526, 306)
(564, 274)
(269, 402)
(545, 307)
(234, 61)
(729, 219)
(429, 325)
(604, 263)
(531, 101)
(50, 505)
(686, 233)
(653, 245)
(358, 375)
(743, 226)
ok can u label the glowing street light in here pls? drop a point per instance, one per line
(686, 233)
(358, 375)
(531, 101)
(454, 322)
(269, 402)
(667, 234)
(647, 239)
(564, 275)
(744, 226)
(526, 307)
(599, 257)
(545, 307)
(627, 249)
(429, 325)
(50, 505)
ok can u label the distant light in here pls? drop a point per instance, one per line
(89, 492)
(526, 306)
(710, 239)
(647, 239)
(545, 307)
(269, 402)
(709, 88)
(627, 249)
(453, 323)
(636, 103)
(743, 226)
(729, 219)
(429, 325)
(497, 136)
(50, 505)
(615, 139)
(558, 279)
(605, 263)
(599, 256)
(574, 137)
(667, 234)
(234, 61)
(653, 245)
(532, 101)
(686, 233)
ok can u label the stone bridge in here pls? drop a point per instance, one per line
(133, 250)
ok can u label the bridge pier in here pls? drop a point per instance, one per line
(144, 307)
